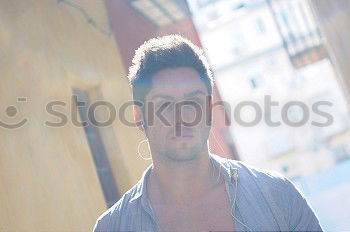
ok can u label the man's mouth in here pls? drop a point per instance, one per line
(185, 136)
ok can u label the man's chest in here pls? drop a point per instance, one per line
(211, 214)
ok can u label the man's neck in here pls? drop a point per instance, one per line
(182, 182)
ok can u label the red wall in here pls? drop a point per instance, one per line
(129, 28)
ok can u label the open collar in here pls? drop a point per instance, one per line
(219, 162)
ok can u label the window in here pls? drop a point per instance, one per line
(204, 3)
(260, 26)
(285, 16)
(285, 169)
(341, 153)
(238, 42)
(255, 81)
(97, 148)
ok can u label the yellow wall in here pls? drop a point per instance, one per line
(48, 181)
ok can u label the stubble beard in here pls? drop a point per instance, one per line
(185, 153)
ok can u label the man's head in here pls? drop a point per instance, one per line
(171, 78)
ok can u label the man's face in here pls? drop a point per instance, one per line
(179, 99)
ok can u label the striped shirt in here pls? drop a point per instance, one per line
(261, 201)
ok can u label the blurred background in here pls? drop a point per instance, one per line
(59, 171)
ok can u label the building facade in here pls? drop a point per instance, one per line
(66, 153)
(272, 51)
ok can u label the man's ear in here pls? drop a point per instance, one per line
(138, 118)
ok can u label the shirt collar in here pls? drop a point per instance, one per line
(141, 187)
(219, 162)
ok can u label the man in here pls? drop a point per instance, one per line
(186, 188)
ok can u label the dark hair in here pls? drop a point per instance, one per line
(164, 52)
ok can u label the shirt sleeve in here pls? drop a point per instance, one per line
(100, 226)
(302, 216)
(104, 223)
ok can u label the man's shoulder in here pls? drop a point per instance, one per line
(274, 186)
(285, 199)
(112, 217)
(252, 173)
